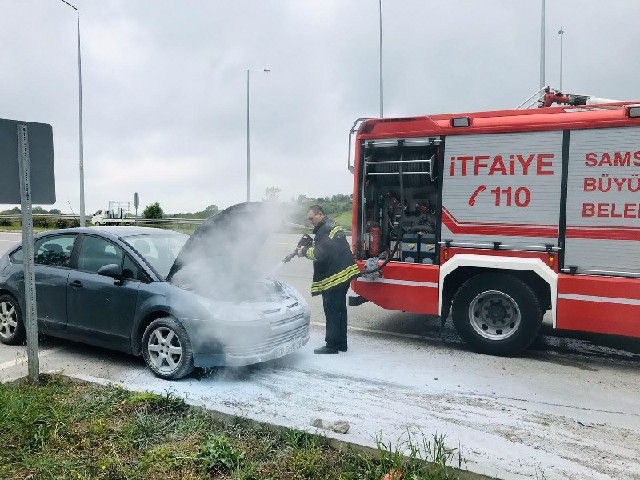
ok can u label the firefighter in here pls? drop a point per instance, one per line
(333, 270)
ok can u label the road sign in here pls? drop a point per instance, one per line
(26, 162)
(41, 159)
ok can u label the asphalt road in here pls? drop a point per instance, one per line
(568, 408)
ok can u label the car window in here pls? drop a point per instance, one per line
(16, 257)
(53, 251)
(97, 252)
(132, 270)
(159, 250)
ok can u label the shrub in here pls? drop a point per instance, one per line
(153, 211)
(61, 223)
(66, 223)
(42, 222)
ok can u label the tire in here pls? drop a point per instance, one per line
(12, 331)
(166, 349)
(496, 313)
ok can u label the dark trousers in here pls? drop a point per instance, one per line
(334, 302)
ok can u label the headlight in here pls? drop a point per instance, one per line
(297, 295)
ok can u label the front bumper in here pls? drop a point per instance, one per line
(274, 347)
(237, 343)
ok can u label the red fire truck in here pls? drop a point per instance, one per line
(498, 217)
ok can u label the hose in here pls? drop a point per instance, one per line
(387, 260)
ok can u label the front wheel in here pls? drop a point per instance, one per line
(497, 313)
(12, 331)
(166, 349)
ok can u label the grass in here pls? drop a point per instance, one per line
(61, 429)
(344, 219)
(17, 227)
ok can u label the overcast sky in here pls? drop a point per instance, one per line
(164, 83)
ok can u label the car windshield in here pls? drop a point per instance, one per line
(159, 249)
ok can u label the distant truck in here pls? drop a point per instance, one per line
(118, 213)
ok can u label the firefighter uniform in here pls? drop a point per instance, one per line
(333, 269)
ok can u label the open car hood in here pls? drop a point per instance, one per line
(223, 250)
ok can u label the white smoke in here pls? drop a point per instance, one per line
(224, 259)
(224, 264)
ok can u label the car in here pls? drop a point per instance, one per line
(179, 301)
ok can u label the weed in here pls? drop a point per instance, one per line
(419, 457)
(163, 458)
(217, 455)
(152, 402)
(300, 439)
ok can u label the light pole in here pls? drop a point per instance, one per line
(80, 146)
(542, 47)
(380, 15)
(561, 32)
(266, 70)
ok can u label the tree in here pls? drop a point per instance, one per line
(13, 211)
(153, 211)
(211, 210)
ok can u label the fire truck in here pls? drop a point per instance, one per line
(500, 217)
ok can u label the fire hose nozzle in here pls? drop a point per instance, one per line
(290, 256)
(305, 242)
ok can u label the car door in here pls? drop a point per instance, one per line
(101, 309)
(52, 256)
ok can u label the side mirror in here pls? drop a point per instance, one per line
(112, 270)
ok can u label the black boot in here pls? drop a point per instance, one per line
(325, 350)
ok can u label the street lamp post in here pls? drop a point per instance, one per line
(248, 145)
(561, 33)
(380, 15)
(80, 145)
(542, 46)
(266, 70)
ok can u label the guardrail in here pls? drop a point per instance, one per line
(167, 222)
(138, 221)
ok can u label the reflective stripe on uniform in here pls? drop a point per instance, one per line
(335, 279)
(333, 231)
(310, 255)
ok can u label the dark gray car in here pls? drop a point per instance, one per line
(180, 302)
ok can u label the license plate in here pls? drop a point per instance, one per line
(288, 348)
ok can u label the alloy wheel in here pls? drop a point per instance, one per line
(165, 349)
(8, 319)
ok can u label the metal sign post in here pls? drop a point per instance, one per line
(30, 315)
(26, 153)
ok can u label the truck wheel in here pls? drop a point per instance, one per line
(12, 330)
(166, 349)
(496, 313)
